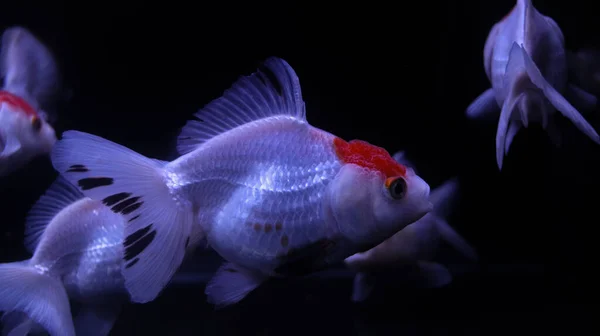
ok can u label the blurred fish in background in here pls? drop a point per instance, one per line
(526, 63)
(584, 69)
(31, 83)
(414, 247)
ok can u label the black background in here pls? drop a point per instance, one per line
(398, 75)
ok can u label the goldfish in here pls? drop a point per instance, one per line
(525, 61)
(270, 193)
(414, 246)
(77, 254)
(30, 81)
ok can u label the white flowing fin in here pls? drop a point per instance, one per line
(400, 157)
(363, 286)
(555, 98)
(582, 99)
(273, 90)
(444, 196)
(505, 116)
(28, 67)
(454, 239)
(484, 106)
(159, 224)
(58, 196)
(513, 129)
(41, 297)
(230, 284)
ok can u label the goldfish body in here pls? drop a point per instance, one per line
(526, 62)
(30, 80)
(414, 245)
(77, 247)
(272, 194)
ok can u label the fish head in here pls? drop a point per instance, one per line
(372, 197)
(30, 129)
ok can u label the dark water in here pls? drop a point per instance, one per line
(399, 76)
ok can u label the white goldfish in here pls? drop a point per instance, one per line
(273, 195)
(526, 63)
(77, 247)
(30, 81)
(415, 246)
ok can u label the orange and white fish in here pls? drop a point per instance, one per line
(30, 80)
(274, 195)
(526, 63)
(413, 247)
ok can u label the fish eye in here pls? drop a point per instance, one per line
(36, 124)
(396, 187)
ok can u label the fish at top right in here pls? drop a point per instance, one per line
(526, 62)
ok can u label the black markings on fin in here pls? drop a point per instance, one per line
(133, 218)
(119, 208)
(94, 182)
(116, 198)
(133, 262)
(137, 242)
(77, 169)
(266, 72)
(123, 203)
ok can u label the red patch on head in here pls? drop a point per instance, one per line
(364, 154)
(17, 102)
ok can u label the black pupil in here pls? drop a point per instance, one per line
(398, 187)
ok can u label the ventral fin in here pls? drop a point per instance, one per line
(273, 90)
(231, 284)
(58, 196)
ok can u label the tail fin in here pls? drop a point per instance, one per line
(159, 224)
(454, 239)
(28, 67)
(41, 297)
(553, 96)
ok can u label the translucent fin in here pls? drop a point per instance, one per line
(19, 324)
(555, 98)
(400, 157)
(11, 146)
(505, 115)
(362, 286)
(435, 275)
(28, 67)
(231, 284)
(58, 196)
(273, 90)
(513, 129)
(582, 99)
(454, 239)
(96, 320)
(484, 106)
(134, 186)
(443, 197)
(41, 297)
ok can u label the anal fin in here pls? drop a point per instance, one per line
(231, 283)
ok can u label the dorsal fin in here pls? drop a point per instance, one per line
(58, 196)
(272, 90)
